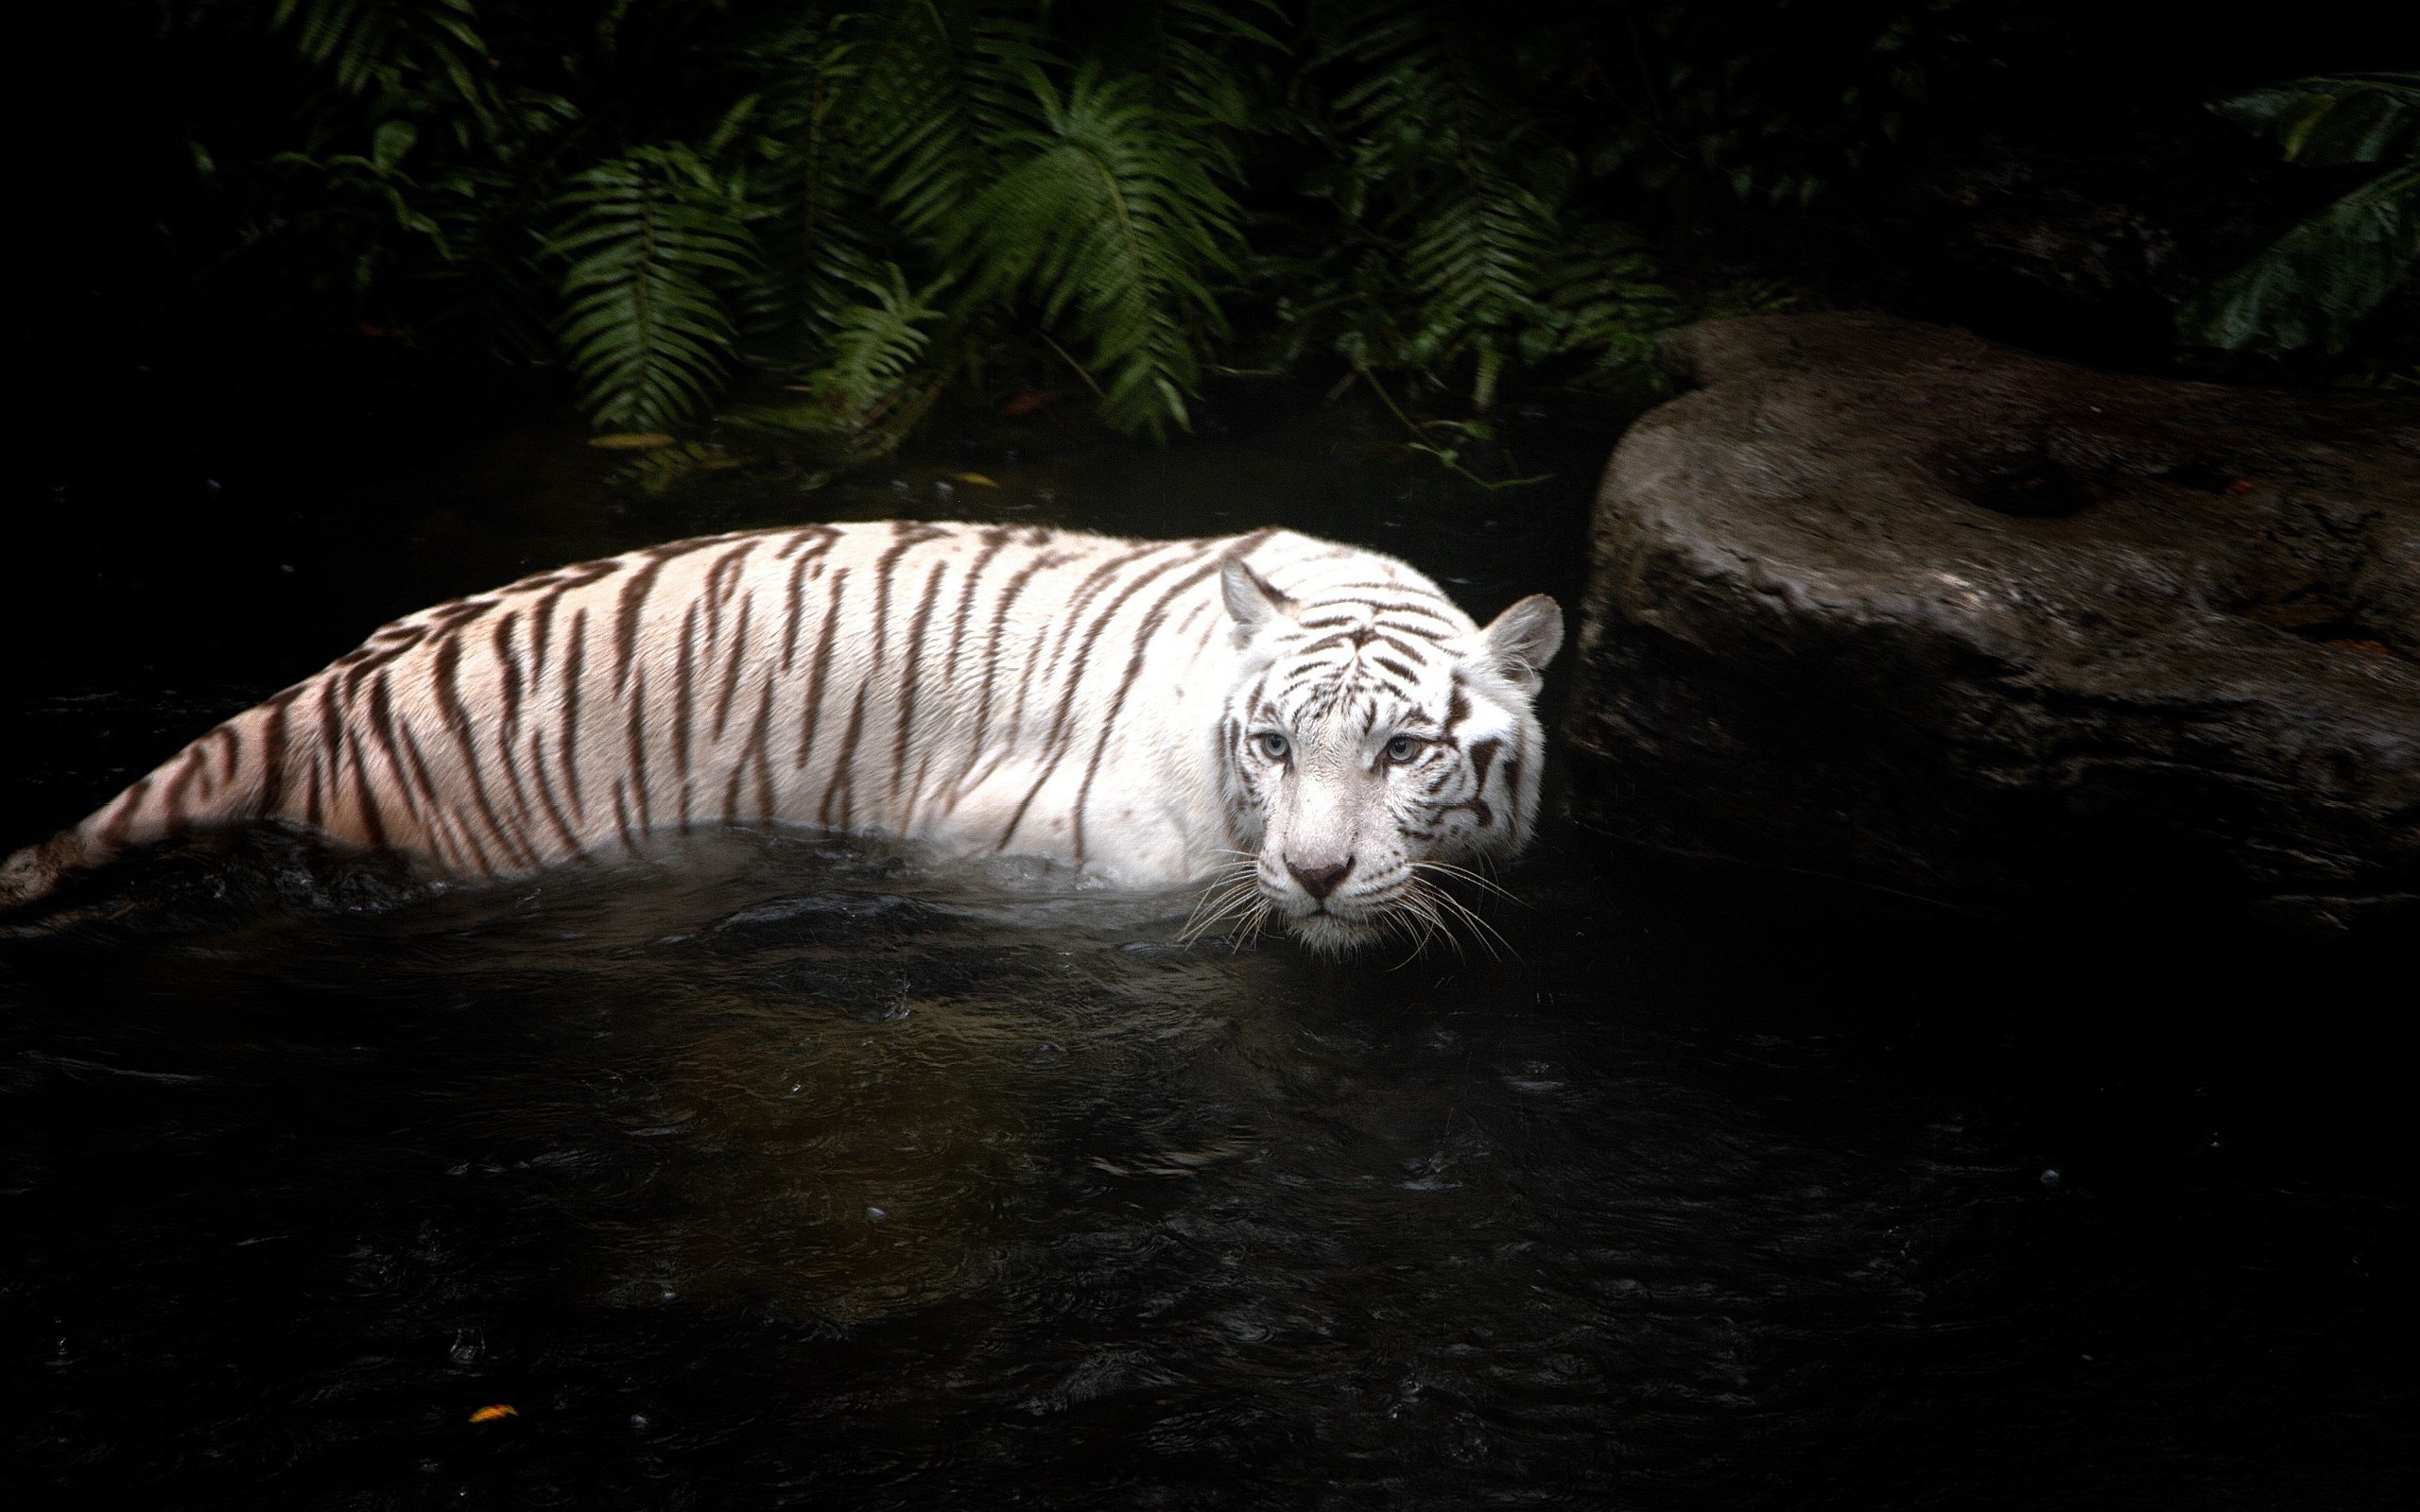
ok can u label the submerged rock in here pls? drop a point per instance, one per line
(1885, 601)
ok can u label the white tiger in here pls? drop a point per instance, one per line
(1314, 725)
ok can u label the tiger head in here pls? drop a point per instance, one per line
(1374, 744)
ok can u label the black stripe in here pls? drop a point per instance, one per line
(755, 753)
(1052, 744)
(905, 535)
(634, 741)
(1069, 617)
(446, 664)
(273, 752)
(683, 672)
(373, 820)
(622, 819)
(814, 707)
(992, 652)
(842, 779)
(546, 800)
(734, 664)
(627, 608)
(575, 666)
(907, 696)
(1151, 622)
(993, 539)
(825, 536)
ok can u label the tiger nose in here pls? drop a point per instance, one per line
(1320, 881)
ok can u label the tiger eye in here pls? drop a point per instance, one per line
(1402, 749)
(1273, 745)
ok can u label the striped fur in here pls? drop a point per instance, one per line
(1096, 700)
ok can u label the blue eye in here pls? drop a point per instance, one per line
(1273, 745)
(1401, 749)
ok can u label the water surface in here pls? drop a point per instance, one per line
(781, 1170)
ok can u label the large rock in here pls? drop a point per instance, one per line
(1886, 602)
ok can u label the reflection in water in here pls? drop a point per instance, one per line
(782, 1169)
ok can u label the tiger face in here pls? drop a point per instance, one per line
(1373, 745)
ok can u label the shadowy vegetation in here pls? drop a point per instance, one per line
(816, 217)
(866, 202)
(2316, 284)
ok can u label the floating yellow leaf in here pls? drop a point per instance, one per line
(976, 478)
(489, 1415)
(630, 441)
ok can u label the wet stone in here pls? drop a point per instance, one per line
(1886, 602)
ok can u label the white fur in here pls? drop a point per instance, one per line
(1081, 697)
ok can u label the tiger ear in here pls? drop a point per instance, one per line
(1522, 639)
(1249, 599)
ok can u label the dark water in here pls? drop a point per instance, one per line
(779, 1172)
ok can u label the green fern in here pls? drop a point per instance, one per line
(873, 195)
(1189, 52)
(1463, 181)
(1107, 217)
(2317, 281)
(935, 82)
(395, 46)
(875, 346)
(648, 237)
(1601, 298)
(818, 216)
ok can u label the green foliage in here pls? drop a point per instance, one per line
(1460, 186)
(871, 200)
(1772, 104)
(2315, 284)
(648, 238)
(875, 346)
(1108, 218)
(398, 49)
(2348, 118)
(938, 83)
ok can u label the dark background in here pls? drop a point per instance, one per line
(179, 430)
(213, 494)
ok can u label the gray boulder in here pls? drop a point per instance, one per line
(1884, 601)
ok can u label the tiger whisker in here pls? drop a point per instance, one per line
(1257, 921)
(1466, 874)
(1417, 911)
(1217, 906)
(1436, 903)
(1410, 909)
(1228, 884)
(1486, 933)
(1400, 922)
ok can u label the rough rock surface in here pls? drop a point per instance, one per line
(1885, 601)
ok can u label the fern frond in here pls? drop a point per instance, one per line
(935, 81)
(651, 238)
(2313, 285)
(875, 345)
(1190, 49)
(2344, 118)
(356, 40)
(1108, 217)
(1460, 174)
(819, 220)
(1602, 297)
(388, 45)
(490, 293)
